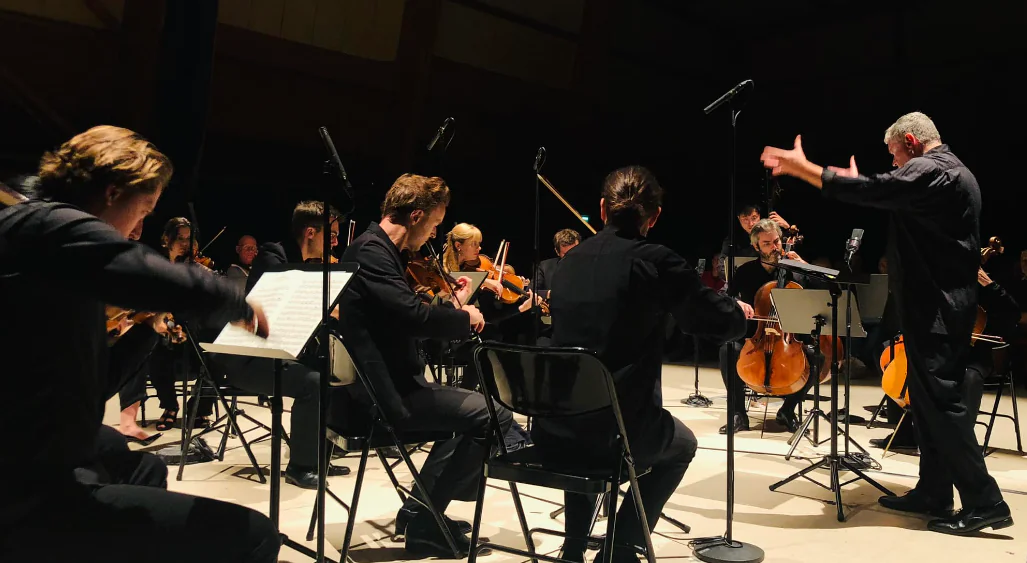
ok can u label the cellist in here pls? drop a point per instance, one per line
(765, 237)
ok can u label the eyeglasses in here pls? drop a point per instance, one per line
(249, 248)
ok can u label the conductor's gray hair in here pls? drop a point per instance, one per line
(916, 123)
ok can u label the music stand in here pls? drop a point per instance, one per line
(739, 261)
(808, 311)
(834, 462)
(291, 295)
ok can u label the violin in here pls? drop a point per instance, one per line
(893, 360)
(117, 316)
(426, 279)
(513, 285)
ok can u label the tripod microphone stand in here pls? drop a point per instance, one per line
(834, 461)
(697, 399)
(723, 549)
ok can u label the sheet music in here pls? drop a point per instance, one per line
(292, 303)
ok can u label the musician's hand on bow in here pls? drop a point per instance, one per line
(494, 285)
(477, 321)
(850, 172)
(526, 305)
(256, 324)
(746, 308)
(158, 323)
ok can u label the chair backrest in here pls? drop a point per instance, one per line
(344, 372)
(545, 382)
(1001, 358)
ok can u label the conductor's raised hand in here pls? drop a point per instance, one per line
(787, 162)
(850, 172)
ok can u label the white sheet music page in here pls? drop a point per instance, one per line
(292, 303)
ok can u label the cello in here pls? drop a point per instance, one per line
(773, 362)
(893, 360)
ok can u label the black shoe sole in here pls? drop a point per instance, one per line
(997, 524)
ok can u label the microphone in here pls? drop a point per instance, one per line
(540, 159)
(728, 96)
(439, 133)
(852, 245)
(335, 161)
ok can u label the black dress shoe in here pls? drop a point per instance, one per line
(788, 420)
(972, 520)
(301, 477)
(405, 515)
(896, 445)
(918, 502)
(425, 539)
(741, 423)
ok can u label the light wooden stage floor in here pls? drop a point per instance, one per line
(794, 524)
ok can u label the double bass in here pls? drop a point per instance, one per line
(893, 360)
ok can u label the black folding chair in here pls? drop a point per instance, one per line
(1000, 381)
(379, 434)
(546, 383)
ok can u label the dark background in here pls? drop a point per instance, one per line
(623, 83)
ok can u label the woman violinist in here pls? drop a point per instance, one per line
(171, 360)
(463, 254)
(745, 286)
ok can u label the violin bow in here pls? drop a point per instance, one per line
(211, 241)
(570, 208)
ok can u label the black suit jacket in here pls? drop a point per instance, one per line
(546, 270)
(382, 320)
(613, 295)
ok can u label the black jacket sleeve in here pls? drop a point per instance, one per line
(88, 257)
(698, 309)
(898, 190)
(389, 295)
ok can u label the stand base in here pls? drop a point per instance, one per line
(719, 550)
(697, 400)
(835, 464)
(286, 542)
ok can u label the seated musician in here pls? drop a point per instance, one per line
(563, 241)
(462, 254)
(748, 215)
(1003, 313)
(382, 321)
(612, 294)
(63, 258)
(300, 380)
(766, 241)
(245, 252)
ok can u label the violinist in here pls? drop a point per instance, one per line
(934, 203)
(173, 360)
(300, 380)
(612, 294)
(382, 322)
(64, 257)
(765, 237)
(245, 252)
(563, 241)
(463, 254)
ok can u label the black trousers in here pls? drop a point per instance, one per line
(300, 382)
(117, 523)
(453, 466)
(116, 464)
(944, 403)
(729, 353)
(167, 366)
(668, 451)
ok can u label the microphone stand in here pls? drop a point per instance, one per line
(536, 311)
(725, 549)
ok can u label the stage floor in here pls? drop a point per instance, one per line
(794, 524)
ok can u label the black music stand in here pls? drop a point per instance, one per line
(281, 306)
(808, 311)
(833, 461)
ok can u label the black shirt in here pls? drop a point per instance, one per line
(382, 320)
(546, 269)
(61, 264)
(934, 238)
(613, 294)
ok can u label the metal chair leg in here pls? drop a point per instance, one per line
(991, 422)
(1016, 412)
(892, 439)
